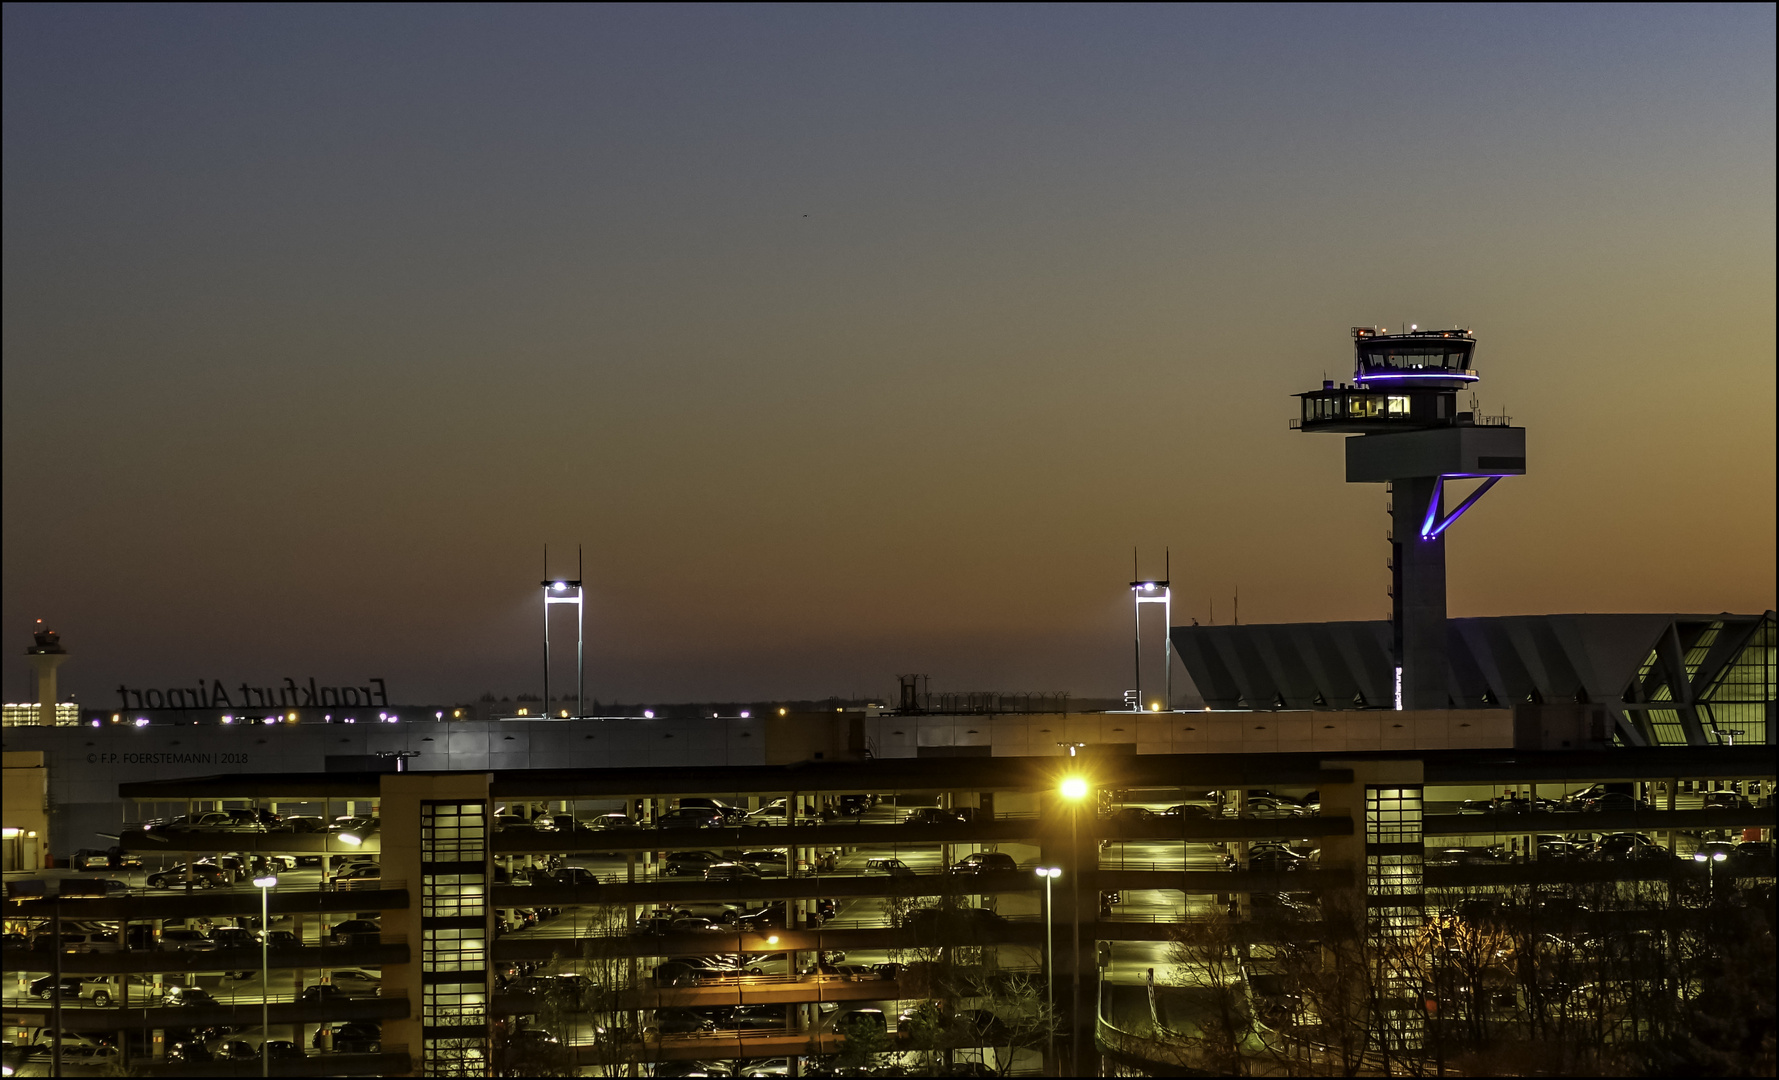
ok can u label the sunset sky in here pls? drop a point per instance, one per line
(851, 340)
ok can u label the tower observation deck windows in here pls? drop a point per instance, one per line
(1447, 354)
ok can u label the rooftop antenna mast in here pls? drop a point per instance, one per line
(560, 591)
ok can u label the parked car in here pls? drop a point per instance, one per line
(975, 921)
(356, 982)
(108, 859)
(731, 871)
(575, 875)
(356, 932)
(186, 939)
(1619, 847)
(189, 1053)
(723, 809)
(690, 818)
(985, 862)
(682, 1022)
(931, 815)
(67, 988)
(1130, 815)
(203, 876)
(233, 937)
(324, 994)
(359, 877)
(768, 862)
(1725, 800)
(358, 1037)
(892, 867)
(1192, 810)
(1268, 807)
(186, 996)
(689, 971)
(613, 821)
(1613, 801)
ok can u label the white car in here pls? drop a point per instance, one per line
(356, 981)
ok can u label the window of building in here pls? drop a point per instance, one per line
(1393, 815)
(453, 832)
(1392, 875)
(449, 896)
(1398, 404)
(454, 1004)
(453, 949)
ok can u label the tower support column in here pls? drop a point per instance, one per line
(1418, 592)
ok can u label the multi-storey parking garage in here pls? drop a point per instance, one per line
(667, 920)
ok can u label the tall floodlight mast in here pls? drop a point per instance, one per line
(1160, 592)
(1408, 432)
(563, 591)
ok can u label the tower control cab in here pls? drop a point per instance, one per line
(1401, 382)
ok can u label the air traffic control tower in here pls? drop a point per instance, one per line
(1401, 413)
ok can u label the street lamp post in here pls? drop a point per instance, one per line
(1710, 862)
(265, 973)
(1074, 789)
(1049, 874)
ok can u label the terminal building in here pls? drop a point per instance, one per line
(367, 890)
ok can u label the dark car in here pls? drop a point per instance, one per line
(237, 1050)
(204, 876)
(356, 932)
(766, 861)
(358, 1037)
(282, 939)
(1561, 851)
(277, 1049)
(757, 1018)
(1615, 801)
(984, 861)
(570, 991)
(690, 818)
(961, 921)
(46, 988)
(1614, 847)
(191, 1053)
(722, 809)
(181, 996)
(234, 937)
(691, 971)
(1191, 810)
(931, 815)
(1275, 860)
(186, 939)
(325, 993)
(576, 875)
(682, 1022)
(1278, 906)
(1131, 815)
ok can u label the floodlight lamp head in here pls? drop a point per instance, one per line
(1074, 788)
(266, 882)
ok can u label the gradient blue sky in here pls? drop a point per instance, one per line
(850, 340)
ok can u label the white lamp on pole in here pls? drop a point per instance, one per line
(265, 974)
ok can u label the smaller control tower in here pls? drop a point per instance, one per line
(46, 654)
(1407, 431)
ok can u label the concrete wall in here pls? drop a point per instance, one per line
(1039, 734)
(25, 812)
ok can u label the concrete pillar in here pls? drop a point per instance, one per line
(1417, 579)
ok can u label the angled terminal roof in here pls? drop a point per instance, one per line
(1666, 679)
